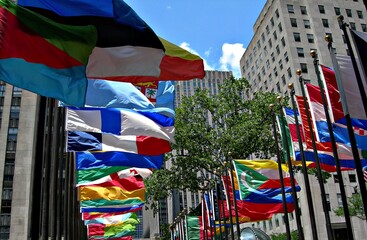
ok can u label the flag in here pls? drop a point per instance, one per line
(193, 227)
(161, 93)
(94, 215)
(121, 229)
(132, 207)
(125, 51)
(127, 172)
(360, 42)
(260, 178)
(129, 190)
(121, 122)
(44, 57)
(94, 160)
(365, 173)
(88, 141)
(114, 219)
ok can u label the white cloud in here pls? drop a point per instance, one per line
(230, 59)
(168, 7)
(186, 46)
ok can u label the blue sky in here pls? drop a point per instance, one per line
(216, 30)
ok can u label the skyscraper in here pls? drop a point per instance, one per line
(284, 34)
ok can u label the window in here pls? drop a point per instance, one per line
(280, 27)
(290, 8)
(352, 178)
(270, 225)
(325, 23)
(272, 22)
(352, 25)
(286, 57)
(266, 51)
(328, 202)
(337, 11)
(360, 14)
(289, 72)
(275, 72)
(364, 27)
(278, 87)
(283, 80)
(258, 44)
(349, 12)
(303, 10)
(267, 64)
(277, 13)
(339, 198)
(297, 37)
(267, 29)
(275, 35)
(270, 78)
(276, 221)
(283, 42)
(293, 22)
(263, 37)
(270, 43)
(272, 57)
(336, 178)
(321, 9)
(263, 70)
(280, 64)
(304, 68)
(306, 23)
(310, 38)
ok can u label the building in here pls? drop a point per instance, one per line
(186, 200)
(284, 34)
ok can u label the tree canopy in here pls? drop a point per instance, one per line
(211, 129)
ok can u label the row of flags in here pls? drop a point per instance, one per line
(113, 75)
(319, 123)
(256, 196)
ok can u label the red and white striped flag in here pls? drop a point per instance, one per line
(365, 173)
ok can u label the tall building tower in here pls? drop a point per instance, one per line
(284, 34)
(187, 200)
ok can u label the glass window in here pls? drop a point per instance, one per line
(310, 38)
(267, 29)
(283, 42)
(280, 27)
(325, 23)
(339, 198)
(272, 22)
(290, 8)
(349, 12)
(283, 80)
(293, 22)
(304, 68)
(275, 35)
(267, 64)
(297, 37)
(272, 57)
(303, 10)
(275, 72)
(321, 9)
(277, 13)
(337, 11)
(262, 37)
(266, 51)
(289, 72)
(280, 64)
(286, 57)
(364, 27)
(306, 23)
(360, 14)
(270, 43)
(352, 25)
(258, 44)
(352, 178)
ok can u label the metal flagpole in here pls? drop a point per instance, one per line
(291, 174)
(61, 167)
(317, 160)
(285, 208)
(304, 168)
(223, 211)
(334, 147)
(234, 197)
(217, 192)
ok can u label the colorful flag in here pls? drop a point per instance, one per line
(161, 93)
(193, 227)
(121, 122)
(134, 206)
(113, 219)
(126, 51)
(260, 178)
(44, 57)
(94, 215)
(125, 191)
(127, 172)
(95, 160)
(88, 141)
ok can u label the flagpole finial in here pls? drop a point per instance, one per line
(279, 98)
(313, 53)
(290, 86)
(328, 38)
(340, 18)
(271, 106)
(299, 72)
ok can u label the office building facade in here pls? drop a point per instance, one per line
(284, 34)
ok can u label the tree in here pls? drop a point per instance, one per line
(237, 126)
(355, 206)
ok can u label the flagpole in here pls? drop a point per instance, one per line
(353, 143)
(304, 169)
(213, 210)
(291, 174)
(334, 147)
(317, 160)
(223, 212)
(219, 219)
(234, 196)
(229, 204)
(280, 170)
(343, 26)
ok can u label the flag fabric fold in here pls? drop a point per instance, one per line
(43, 56)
